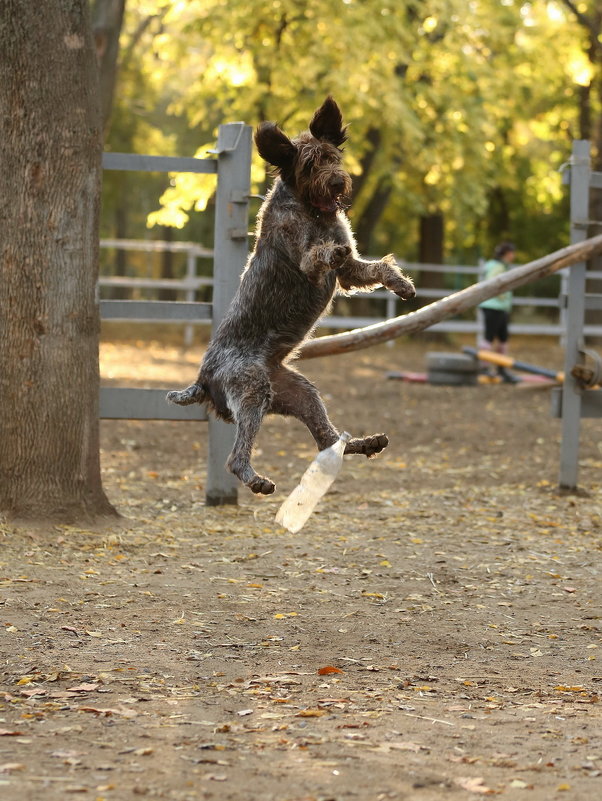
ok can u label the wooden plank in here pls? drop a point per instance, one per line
(452, 305)
(165, 310)
(141, 163)
(128, 403)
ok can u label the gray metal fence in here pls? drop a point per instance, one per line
(575, 400)
(189, 285)
(232, 167)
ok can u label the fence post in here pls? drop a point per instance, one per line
(574, 298)
(230, 254)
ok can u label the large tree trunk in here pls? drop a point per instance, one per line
(51, 133)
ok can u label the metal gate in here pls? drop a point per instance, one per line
(232, 165)
(576, 399)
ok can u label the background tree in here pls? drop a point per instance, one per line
(51, 135)
(460, 116)
(441, 102)
(107, 20)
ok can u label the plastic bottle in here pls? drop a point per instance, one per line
(315, 482)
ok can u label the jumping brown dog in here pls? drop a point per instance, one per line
(304, 252)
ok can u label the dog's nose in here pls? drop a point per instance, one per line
(337, 183)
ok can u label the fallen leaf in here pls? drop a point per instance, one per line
(8, 767)
(474, 785)
(107, 712)
(564, 689)
(83, 688)
(324, 671)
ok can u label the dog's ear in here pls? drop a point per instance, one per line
(327, 123)
(274, 146)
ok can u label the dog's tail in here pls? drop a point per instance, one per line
(185, 397)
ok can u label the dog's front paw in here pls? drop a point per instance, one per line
(404, 288)
(339, 255)
(261, 485)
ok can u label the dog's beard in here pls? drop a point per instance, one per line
(323, 197)
(330, 203)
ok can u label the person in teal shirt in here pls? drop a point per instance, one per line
(496, 311)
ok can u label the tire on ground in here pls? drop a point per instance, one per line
(451, 362)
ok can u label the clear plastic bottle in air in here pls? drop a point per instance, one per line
(315, 482)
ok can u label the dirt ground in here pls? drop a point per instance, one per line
(433, 632)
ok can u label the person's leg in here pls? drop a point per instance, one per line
(487, 337)
(490, 340)
(502, 348)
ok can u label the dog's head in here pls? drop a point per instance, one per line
(311, 163)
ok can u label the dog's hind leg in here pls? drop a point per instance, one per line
(296, 396)
(185, 397)
(368, 446)
(248, 402)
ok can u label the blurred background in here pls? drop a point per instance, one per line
(461, 115)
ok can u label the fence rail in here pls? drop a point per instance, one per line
(233, 170)
(191, 283)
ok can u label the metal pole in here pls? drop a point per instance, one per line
(574, 298)
(230, 255)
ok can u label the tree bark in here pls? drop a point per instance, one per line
(368, 220)
(51, 134)
(430, 248)
(453, 304)
(107, 20)
(167, 269)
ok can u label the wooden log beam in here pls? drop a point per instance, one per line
(452, 304)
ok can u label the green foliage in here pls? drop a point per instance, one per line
(463, 109)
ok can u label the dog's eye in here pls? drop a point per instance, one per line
(308, 166)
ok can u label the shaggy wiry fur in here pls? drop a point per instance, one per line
(304, 251)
